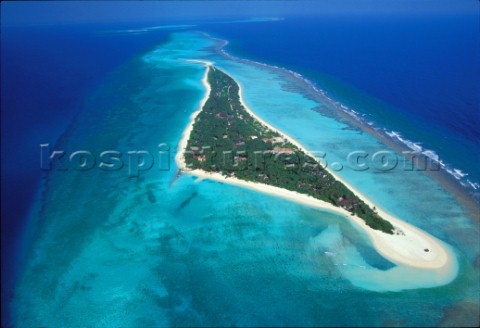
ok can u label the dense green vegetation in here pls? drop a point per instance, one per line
(226, 139)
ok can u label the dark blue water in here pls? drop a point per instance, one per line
(47, 73)
(413, 74)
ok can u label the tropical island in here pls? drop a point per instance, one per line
(227, 142)
(226, 139)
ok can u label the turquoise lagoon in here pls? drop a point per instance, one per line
(162, 250)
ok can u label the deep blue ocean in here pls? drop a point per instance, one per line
(415, 76)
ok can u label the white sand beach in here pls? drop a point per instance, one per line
(412, 247)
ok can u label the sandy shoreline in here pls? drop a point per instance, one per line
(182, 145)
(407, 248)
